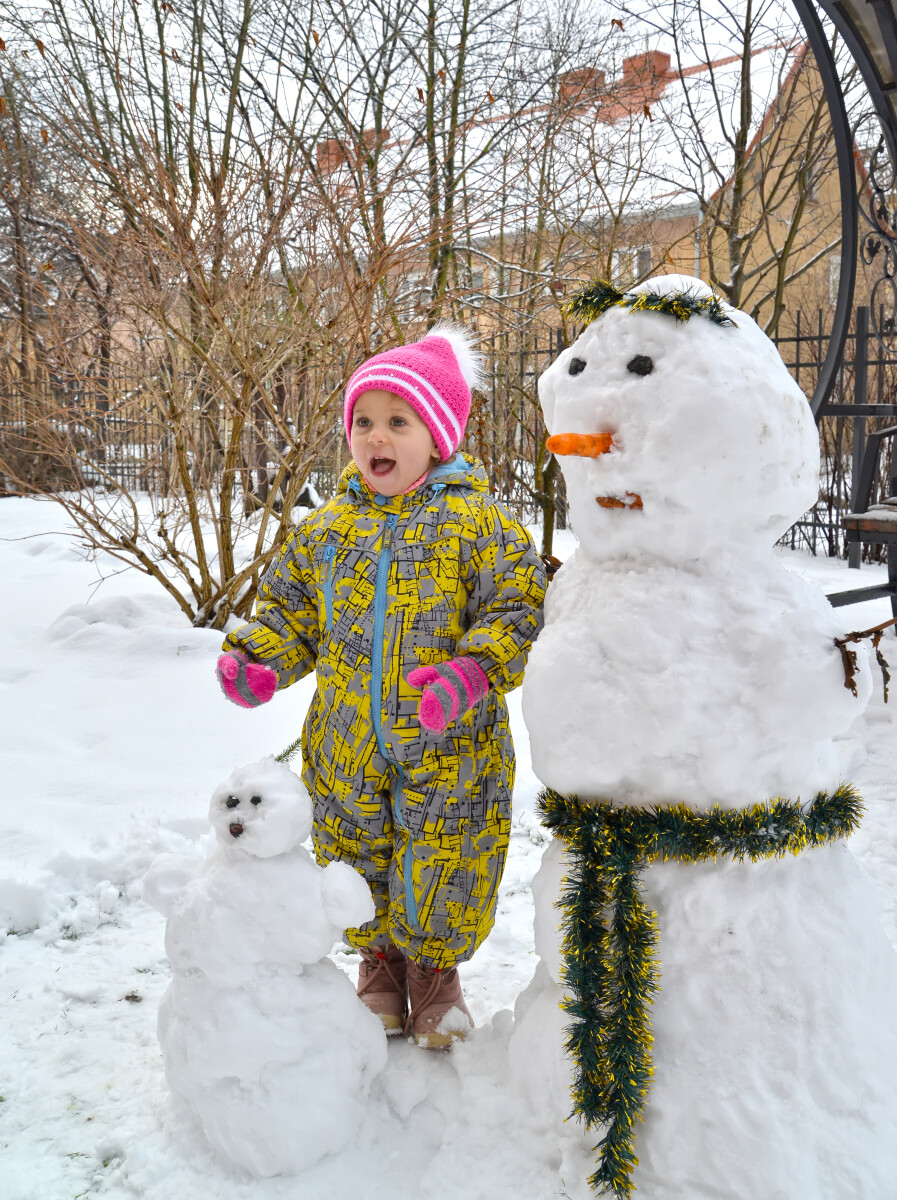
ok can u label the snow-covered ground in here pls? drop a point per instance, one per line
(112, 737)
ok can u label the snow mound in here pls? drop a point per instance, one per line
(23, 907)
(130, 628)
(121, 612)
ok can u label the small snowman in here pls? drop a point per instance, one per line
(263, 1037)
(682, 664)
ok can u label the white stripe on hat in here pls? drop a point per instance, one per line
(400, 368)
(367, 377)
(446, 411)
(390, 373)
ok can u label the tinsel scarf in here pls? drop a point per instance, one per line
(611, 969)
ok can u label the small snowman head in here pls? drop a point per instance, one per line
(686, 433)
(261, 809)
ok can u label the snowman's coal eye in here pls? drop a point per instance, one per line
(232, 802)
(577, 366)
(255, 799)
(640, 365)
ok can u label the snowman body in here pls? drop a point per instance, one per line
(664, 684)
(682, 663)
(263, 1037)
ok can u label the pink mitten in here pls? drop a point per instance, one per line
(449, 691)
(246, 683)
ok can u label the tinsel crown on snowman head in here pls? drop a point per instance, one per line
(598, 296)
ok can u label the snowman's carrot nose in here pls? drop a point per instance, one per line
(586, 445)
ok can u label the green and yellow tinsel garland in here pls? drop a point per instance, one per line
(610, 935)
(598, 296)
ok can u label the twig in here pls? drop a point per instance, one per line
(849, 657)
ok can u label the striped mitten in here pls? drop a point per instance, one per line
(449, 691)
(245, 683)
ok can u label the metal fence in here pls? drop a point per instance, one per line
(77, 433)
(115, 434)
(80, 432)
(864, 398)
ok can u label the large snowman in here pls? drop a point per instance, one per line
(681, 663)
(263, 1038)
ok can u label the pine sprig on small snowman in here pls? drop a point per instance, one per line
(598, 296)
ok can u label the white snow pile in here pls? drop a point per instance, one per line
(125, 628)
(263, 1037)
(681, 663)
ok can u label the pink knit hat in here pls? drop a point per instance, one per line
(435, 376)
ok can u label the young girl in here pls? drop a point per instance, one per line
(415, 595)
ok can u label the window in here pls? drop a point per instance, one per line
(631, 264)
(413, 295)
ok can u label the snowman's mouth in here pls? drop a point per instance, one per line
(632, 501)
(235, 829)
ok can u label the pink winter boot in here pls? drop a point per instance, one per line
(438, 1013)
(382, 985)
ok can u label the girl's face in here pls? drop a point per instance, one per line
(390, 444)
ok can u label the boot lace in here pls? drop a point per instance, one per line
(431, 993)
(380, 962)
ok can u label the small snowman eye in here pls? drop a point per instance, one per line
(577, 366)
(255, 799)
(232, 802)
(640, 365)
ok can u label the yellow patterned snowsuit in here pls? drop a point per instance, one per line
(366, 589)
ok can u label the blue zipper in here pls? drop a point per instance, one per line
(329, 557)
(380, 586)
(379, 629)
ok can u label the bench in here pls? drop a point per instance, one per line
(874, 524)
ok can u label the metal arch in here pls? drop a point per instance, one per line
(869, 28)
(831, 83)
(870, 62)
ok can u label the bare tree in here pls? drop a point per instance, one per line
(255, 196)
(751, 144)
(189, 235)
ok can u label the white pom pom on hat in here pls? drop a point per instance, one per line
(462, 341)
(435, 376)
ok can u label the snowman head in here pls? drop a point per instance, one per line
(261, 809)
(692, 436)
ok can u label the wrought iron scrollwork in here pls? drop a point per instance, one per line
(878, 245)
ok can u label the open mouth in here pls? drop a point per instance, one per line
(235, 829)
(381, 465)
(632, 501)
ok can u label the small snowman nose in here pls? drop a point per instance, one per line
(235, 829)
(586, 445)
